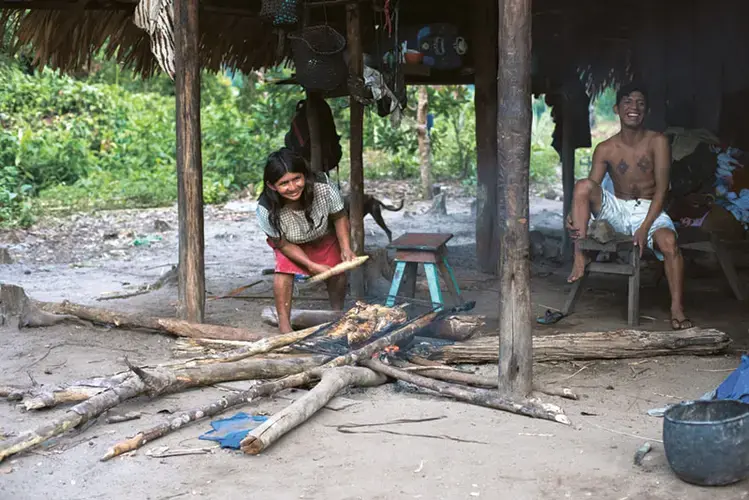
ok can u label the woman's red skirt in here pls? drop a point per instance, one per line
(325, 251)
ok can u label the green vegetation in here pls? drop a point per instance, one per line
(106, 139)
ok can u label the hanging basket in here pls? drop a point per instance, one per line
(318, 57)
(280, 11)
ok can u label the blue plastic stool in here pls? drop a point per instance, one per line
(429, 250)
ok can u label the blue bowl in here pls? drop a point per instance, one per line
(707, 442)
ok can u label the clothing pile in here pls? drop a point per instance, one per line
(731, 191)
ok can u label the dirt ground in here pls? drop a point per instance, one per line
(82, 257)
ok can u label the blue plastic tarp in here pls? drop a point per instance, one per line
(229, 432)
(736, 385)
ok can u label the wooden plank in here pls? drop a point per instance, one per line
(650, 61)
(514, 132)
(575, 291)
(606, 268)
(726, 263)
(414, 256)
(633, 302)
(189, 165)
(356, 211)
(485, 101)
(680, 49)
(427, 242)
(708, 65)
(568, 171)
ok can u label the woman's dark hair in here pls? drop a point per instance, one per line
(282, 162)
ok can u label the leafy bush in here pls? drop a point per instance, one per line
(106, 139)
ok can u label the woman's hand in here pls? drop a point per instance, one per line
(347, 254)
(317, 268)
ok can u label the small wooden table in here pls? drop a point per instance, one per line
(429, 250)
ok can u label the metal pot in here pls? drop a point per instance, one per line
(707, 442)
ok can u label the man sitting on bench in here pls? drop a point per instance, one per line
(638, 161)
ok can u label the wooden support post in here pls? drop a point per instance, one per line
(568, 170)
(356, 211)
(189, 165)
(485, 101)
(514, 131)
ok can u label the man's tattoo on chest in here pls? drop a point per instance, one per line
(622, 167)
(645, 165)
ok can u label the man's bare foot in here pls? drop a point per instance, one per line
(578, 268)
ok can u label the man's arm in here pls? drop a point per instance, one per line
(661, 170)
(600, 165)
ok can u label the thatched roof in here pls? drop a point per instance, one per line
(690, 53)
(64, 35)
(66, 38)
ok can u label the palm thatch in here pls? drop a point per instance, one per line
(68, 39)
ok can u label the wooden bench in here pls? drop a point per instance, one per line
(689, 239)
(631, 270)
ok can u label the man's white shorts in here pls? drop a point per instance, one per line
(626, 217)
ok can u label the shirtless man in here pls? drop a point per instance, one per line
(638, 161)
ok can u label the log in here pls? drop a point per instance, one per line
(331, 383)
(513, 139)
(261, 346)
(481, 397)
(158, 381)
(17, 310)
(434, 369)
(171, 326)
(619, 344)
(301, 318)
(400, 334)
(338, 269)
(460, 327)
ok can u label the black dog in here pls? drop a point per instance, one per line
(373, 207)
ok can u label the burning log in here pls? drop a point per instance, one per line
(400, 334)
(332, 382)
(620, 344)
(481, 397)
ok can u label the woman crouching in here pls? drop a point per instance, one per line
(303, 215)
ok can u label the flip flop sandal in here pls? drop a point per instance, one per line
(684, 324)
(550, 317)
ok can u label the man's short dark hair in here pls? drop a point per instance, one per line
(629, 88)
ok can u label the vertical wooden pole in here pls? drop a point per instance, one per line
(568, 171)
(425, 147)
(315, 135)
(485, 102)
(189, 165)
(356, 210)
(514, 133)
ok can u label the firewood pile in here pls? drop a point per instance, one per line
(366, 346)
